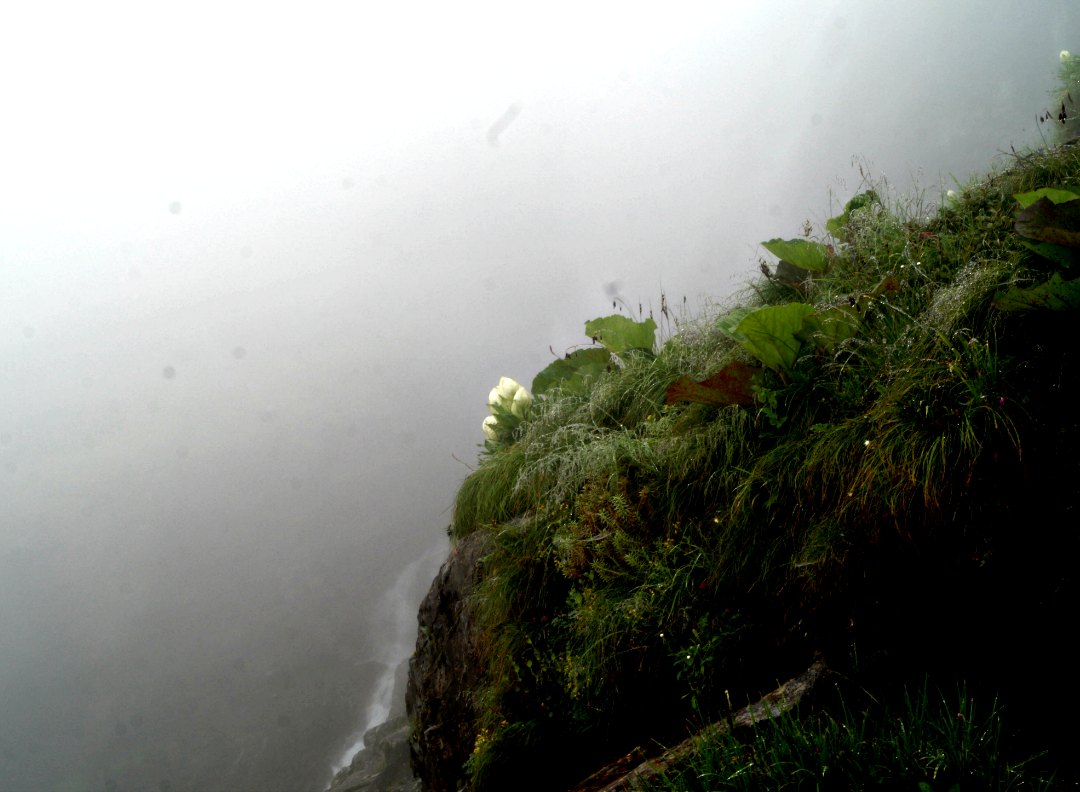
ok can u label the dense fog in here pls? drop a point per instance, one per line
(261, 264)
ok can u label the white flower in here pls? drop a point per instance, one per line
(510, 395)
(522, 402)
(1065, 55)
(503, 393)
(510, 401)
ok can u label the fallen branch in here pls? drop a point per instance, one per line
(615, 777)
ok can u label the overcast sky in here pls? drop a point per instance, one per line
(260, 264)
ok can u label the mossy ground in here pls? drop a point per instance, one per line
(903, 502)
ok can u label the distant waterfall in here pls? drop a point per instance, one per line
(396, 616)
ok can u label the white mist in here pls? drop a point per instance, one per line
(396, 611)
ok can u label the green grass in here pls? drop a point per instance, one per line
(929, 742)
(881, 492)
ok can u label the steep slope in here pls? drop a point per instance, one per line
(870, 460)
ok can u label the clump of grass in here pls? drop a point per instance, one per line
(930, 742)
(647, 556)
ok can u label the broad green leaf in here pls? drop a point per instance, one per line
(826, 329)
(1057, 294)
(788, 273)
(769, 333)
(730, 321)
(1061, 256)
(572, 373)
(802, 253)
(730, 385)
(620, 334)
(837, 226)
(1054, 194)
(1046, 221)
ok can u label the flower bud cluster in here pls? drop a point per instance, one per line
(509, 402)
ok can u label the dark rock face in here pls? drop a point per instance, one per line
(383, 764)
(444, 672)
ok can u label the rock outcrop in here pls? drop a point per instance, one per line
(382, 765)
(444, 671)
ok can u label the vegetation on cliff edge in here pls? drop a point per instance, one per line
(882, 473)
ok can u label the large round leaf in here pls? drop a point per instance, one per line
(573, 373)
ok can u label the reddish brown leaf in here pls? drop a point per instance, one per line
(730, 385)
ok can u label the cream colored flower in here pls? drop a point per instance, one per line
(502, 395)
(508, 401)
(1065, 55)
(521, 403)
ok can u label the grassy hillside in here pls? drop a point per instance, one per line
(870, 457)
